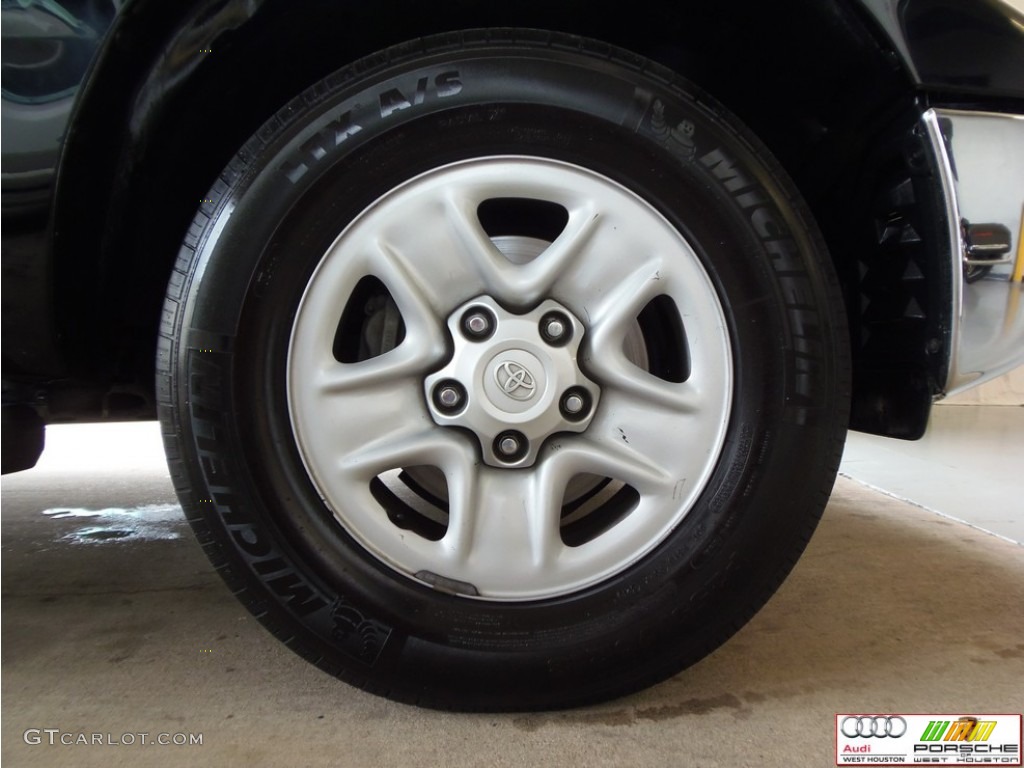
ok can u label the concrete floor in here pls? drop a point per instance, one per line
(113, 622)
(967, 466)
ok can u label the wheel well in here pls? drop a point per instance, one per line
(179, 87)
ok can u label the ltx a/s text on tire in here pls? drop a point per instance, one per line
(503, 373)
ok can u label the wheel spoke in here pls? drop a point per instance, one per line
(372, 422)
(609, 451)
(674, 446)
(611, 316)
(614, 371)
(434, 250)
(394, 367)
(616, 304)
(504, 524)
(532, 282)
(491, 268)
(424, 331)
(606, 277)
(403, 445)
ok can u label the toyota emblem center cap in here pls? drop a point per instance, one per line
(515, 380)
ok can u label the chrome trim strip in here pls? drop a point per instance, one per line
(980, 159)
(930, 119)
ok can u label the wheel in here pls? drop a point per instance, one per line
(503, 370)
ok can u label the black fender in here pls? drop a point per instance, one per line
(959, 48)
(179, 86)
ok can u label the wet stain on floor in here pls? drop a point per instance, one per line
(632, 716)
(152, 522)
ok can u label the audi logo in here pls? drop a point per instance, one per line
(873, 726)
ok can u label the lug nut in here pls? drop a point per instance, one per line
(555, 328)
(449, 396)
(575, 404)
(510, 446)
(478, 324)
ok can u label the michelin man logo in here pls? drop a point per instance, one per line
(677, 140)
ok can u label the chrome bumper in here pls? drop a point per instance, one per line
(981, 164)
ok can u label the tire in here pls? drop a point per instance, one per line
(501, 371)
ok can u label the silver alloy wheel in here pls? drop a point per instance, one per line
(356, 422)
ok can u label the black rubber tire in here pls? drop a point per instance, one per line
(270, 218)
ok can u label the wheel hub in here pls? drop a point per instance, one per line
(512, 380)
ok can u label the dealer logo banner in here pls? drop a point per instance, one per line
(866, 738)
